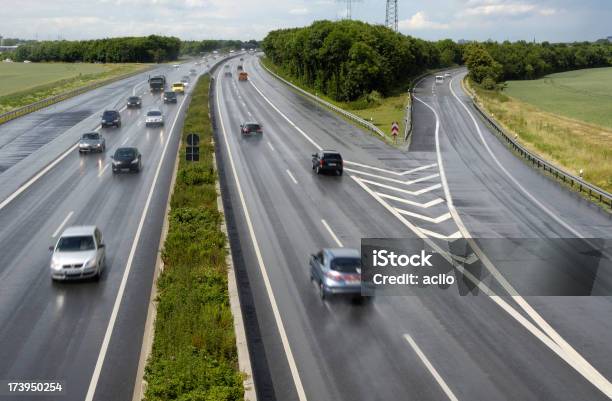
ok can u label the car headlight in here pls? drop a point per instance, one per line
(55, 265)
(116, 120)
(89, 263)
(98, 144)
(134, 161)
(103, 120)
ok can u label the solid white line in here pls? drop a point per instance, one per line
(449, 393)
(409, 202)
(62, 225)
(291, 176)
(332, 233)
(316, 145)
(126, 272)
(271, 147)
(32, 180)
(262, 267)
(561, 346)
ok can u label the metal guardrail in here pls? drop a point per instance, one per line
(21, 111)
(333, 107)
(536, 161)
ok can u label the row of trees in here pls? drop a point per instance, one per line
(148, 49)
(350, 59)
(492, 62)
(196, 47)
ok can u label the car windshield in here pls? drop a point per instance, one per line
(170, 94)
(134, 99)
(253, 127)
(125, 153)
(110, 114)
(76, 244)
(91, 136)
(345, 265)
(154, 113)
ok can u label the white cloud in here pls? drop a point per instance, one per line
(299, 11)
(420, 21)
(503, 8)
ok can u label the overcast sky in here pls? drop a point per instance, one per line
(552, 20)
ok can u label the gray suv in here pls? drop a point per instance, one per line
(336, 271)
(78, 254)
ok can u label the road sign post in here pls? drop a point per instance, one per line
(192, 153)
(394, 131)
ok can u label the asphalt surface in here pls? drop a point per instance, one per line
(480, 347)
(55, 331)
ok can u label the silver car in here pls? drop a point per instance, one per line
(154, 118)
(92, 142)
(78, 254)
(336, 271)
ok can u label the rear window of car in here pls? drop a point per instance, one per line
(91, 136)
(345, 265)
(154, 113)
(253, 127)
(332, 156)
(76, 243)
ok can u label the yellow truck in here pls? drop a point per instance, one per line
(178, 87)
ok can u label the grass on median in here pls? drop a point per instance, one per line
(194, 356)
(568, 143)
(22, 84)
(380, 111)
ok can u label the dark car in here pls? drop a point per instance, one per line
(134, 101)
(327, 160)
(170, 97)
(127, 159)
(111, 118)
(250, 128)
(240, 67)
(193, 71)
(228, 74)
(336, 271)
(92, 142)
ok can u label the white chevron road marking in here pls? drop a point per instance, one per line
(414, 170)
(433, 234)
(435, 220)
(413, 193)
(434, 202)
(409, 182)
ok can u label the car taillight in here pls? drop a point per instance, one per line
(322, 162)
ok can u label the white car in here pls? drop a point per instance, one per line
(155, 118)
(447, 75)
(175, 65)
(78, 254)
(439, 79)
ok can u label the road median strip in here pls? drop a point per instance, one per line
(194, 354)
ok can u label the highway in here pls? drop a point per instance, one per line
(87, 334)
(457, 181)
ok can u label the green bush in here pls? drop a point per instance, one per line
(194, 356)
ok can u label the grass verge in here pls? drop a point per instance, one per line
(570, 144)
(381, 113)
(20, 98)
(194, 355)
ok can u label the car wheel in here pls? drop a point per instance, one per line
(318, 170)
(339, 172)
(98, 275)
(322, 293)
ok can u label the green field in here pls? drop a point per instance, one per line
(18, 77)
(584, 95)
